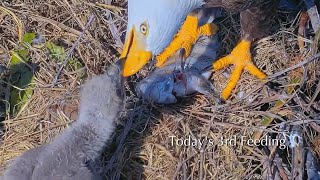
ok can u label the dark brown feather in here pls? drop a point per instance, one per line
(256, 21)
(255, 15)
(235, 6)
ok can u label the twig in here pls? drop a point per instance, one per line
(54, 23)
(110, 7)
(314, 96)
(315, 126)
(254, 170)
(92, 16)
(282, 173)
(113, 29)
(38, 132)
(301, 31)
(308, 60)
(180, 164)
(16, 20)
(298, 153)
(124, 135)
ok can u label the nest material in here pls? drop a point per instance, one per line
(142, 144)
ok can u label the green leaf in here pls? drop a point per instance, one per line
(266, 121)
(18, 58)
(28, 37)
(75, 64)
(278, 104)
(57, 52)
(21, 75)
(293, 80)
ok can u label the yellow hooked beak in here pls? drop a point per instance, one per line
(135, 53)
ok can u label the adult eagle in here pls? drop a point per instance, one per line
(153, 24)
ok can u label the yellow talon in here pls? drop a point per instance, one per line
(186, 37)
(241, 58)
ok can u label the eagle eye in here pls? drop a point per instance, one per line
(144, 28)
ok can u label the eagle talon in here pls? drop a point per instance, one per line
(241, 58)
(186, 37)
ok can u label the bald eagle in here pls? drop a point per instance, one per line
(153, 27)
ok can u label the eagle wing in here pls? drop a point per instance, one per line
(255, 15)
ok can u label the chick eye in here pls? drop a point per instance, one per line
(144, 29)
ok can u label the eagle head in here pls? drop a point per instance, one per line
(152, 25)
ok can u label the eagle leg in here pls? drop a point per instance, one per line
(241, 58)
(186, 38)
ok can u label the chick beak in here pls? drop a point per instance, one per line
(135, 53)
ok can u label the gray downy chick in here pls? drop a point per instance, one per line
(69, 155)
(177, 79)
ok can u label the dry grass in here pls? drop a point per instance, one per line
(143, 136)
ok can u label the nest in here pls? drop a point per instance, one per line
(147, 142)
